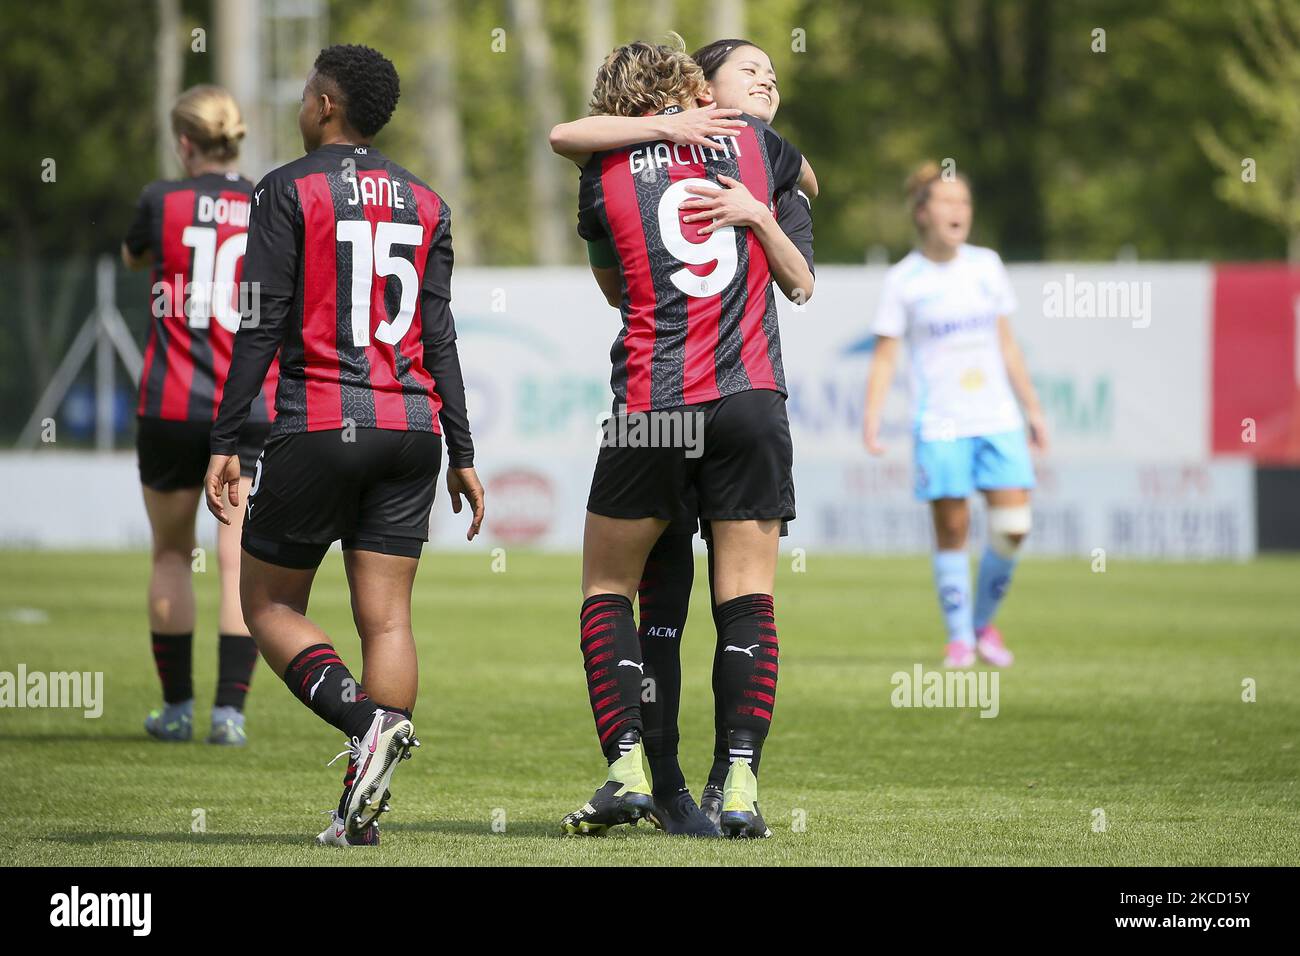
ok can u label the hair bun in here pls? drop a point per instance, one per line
(922, 176)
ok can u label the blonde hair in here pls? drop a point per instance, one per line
(921, 181)
(641, 78)
(209, 117)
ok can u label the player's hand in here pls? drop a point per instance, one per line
(733, 205)
(871, 437)
(223, 472)
(694, 127)
(464, 482)
(1037, 426)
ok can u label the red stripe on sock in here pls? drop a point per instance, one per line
(610, 732)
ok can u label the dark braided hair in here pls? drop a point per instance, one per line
(368, 81)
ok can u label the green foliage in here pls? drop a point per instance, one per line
(1075, 153)
(78, 90)
(1263, 177)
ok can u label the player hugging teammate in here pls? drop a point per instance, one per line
(192, 232)
(353, 256)
(691, 266)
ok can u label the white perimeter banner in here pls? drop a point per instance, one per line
(1119, 353)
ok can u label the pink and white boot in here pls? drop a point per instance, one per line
(960, 655)
(989, 646)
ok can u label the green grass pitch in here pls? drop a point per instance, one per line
(1126, 698)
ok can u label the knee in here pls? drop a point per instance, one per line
(951, 527)
(254, 605)
(173, 552)
(385, 627)
(1008, 528)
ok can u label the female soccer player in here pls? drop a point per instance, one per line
(193, 232)
(951, 301)
(354, 258)
(699, 349)
(740, 79)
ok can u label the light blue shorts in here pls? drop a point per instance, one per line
(956, 468)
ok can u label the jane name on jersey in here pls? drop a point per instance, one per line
(659, 155)
(375, 191)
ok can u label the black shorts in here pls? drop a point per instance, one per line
(311, 489)
(689, 522)
(731, 459)
(174, 454)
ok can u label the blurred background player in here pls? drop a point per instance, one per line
(951, 301)
(697, 343)
(193, 232)
(740, 79)
(354, 258)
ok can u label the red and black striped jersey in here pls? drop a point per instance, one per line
(196, 230)
(699, 314)
(352, 258)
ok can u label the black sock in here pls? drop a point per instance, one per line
(173, 655)
(664, 598)
(236, 658)
(320, 679)
(721, 753)
(746, 668)
(611, 654)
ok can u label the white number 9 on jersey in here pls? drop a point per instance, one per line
(719, 246)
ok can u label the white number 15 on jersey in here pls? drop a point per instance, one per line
(375, 258)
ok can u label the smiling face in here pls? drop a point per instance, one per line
(746, 81)
(945, 216)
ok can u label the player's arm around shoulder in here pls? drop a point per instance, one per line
(578, 139)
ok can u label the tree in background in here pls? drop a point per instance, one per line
(1264, 177)
(541, 111)
(78, 84)
(438, 99)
